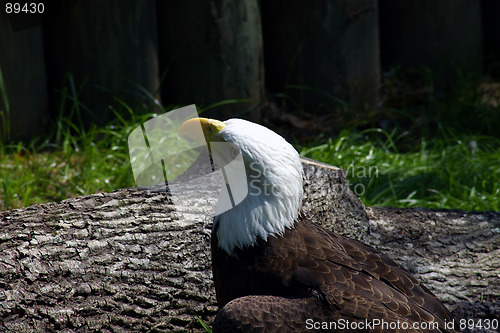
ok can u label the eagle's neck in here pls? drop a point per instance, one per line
(273, 203)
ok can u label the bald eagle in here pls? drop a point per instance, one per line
(276, 271)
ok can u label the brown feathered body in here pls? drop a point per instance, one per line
(310, 277)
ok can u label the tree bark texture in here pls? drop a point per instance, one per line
(131, 260)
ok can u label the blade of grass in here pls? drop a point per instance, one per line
(205, 326)
(4, 114)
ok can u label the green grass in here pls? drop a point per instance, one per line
(5, 113)
(455, 172)
(78, 162)
(437, 149)
(452, 171)
(443, 152)
(205, 326)
(73, 159)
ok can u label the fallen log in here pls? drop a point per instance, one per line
(135, 260)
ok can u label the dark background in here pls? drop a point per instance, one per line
(314, 56)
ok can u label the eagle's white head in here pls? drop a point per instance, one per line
(274, 177)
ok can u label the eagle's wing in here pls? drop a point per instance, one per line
(361, 281)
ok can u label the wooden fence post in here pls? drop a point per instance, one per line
(110, 48)
(442, 35)
(491, 36)
(317, 48)
(23, 70)
(211, 51)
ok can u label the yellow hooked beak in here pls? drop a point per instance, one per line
(201, 130)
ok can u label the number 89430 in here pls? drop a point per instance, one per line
(26, 8)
